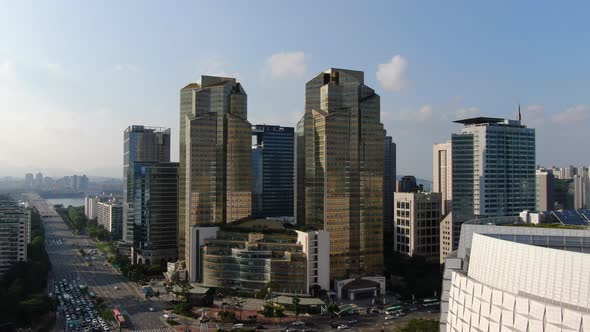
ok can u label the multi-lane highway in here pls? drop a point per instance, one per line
(98, 275)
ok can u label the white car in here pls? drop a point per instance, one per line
(342, 327)
(116, 287)
(151, 309)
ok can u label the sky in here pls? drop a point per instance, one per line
(75, 74)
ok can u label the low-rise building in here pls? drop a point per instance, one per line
(505, 277)
(15, 233)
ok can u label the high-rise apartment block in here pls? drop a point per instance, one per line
(442, 174)
(215, 168)
(141, 144)
(417, 224)
(273, 172)
(389, 178)
(155, 211)
(339, 170)
(110, 216)
(15, 233)
(91, 206)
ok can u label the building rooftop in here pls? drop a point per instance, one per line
(479, 120)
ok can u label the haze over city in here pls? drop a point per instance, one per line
(74, 75)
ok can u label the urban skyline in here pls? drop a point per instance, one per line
(421, 92)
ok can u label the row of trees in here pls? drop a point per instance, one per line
(22, 289)
(73, 216)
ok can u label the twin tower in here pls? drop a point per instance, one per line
(338, 173)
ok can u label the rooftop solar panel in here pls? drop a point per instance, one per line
(570, 217)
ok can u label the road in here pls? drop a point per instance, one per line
(99, 277)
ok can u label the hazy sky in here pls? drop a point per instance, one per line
(75, 74)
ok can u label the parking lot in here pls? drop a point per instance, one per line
(78, 308)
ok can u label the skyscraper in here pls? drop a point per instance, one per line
(493, 167)
(339, 144)
(272, 171)
(141, 144)
(442, 174)
(389, 178)
(155, 211)
(215, 170)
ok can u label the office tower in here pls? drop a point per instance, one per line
(407, 184)
(442, 174)
(215, 169)
(389, 180)
(29, 180)
(272, 171)
(48, 182)
(506, 277)
(38, 183)
(141, 144)
(493, 167)
(91, 206)
(563, 194)
(15, 233)
(155, 211)
(110, 216)
(544, 196)
(417, 224)
(339, 177)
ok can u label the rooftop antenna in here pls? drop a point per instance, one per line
(519, 115)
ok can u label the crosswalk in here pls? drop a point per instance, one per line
(162, 329)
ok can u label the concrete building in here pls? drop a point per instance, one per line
(15, 233)
(38, 183)
(544, 193)
(517, 279)
(215, 169)
(155, 211)
(29, 180)
(110, 216)
(417, 224)
(140, 144)
(316, 247)
(339, 170)
(389, 177)
(91, 206)
(442, 174)
(273, 172)
(580, 191)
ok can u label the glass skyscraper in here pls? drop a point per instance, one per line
(339, 172)
(215, 168)
(141, 144)
(272, 171)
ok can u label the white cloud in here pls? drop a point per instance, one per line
(287, 64)
(392, 75)
(7, 70)
(424, 114)
(55, 69)
(572, 115)
(467, 112)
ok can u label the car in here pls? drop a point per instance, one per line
(151, 309)
(237, 326)
(342, 327)
(390, 317)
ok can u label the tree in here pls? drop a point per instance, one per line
(296, 305)
(420, 325)
(237, 303)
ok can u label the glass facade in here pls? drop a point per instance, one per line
(141, 144)
(215, 156)
(155, 201)
(253, 260)
(272, 171)
(340, 161)
(389, 178)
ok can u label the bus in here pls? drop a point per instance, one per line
(393, 310)
(119, 317)
(431, 302)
